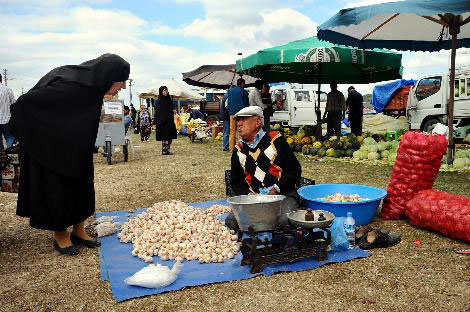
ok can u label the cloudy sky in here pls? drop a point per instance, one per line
(163, 38)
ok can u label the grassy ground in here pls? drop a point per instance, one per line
(407, 277)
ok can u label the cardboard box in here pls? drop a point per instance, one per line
(216, 130)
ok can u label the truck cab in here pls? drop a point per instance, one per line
(296, 107)
(427, 102)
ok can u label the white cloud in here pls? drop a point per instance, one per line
(257, 30)
(34, 45)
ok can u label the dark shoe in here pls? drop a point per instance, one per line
(379, 238)
(362, 231)
(90, 243)
(71, 250)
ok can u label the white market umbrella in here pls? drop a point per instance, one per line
(414, 25)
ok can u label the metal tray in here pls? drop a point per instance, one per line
(297, 218)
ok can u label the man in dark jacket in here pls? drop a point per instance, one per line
(237, 99)
(194, 113)
(263, 163)
(225, 117)
(356, 110)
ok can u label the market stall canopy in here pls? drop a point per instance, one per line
(216, 76)
(177, 90)
(416, 25)
(314, 61)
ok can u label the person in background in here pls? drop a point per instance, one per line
(263, 163)
(133, 112)
(268, 103)
(225, 117)
(335, 110)
(7, 98)
(237, 99)
(356, 110)
(144, 123)
(194, 113)
(127, 119)
(254, 98)
(165, 120)
(61, 113)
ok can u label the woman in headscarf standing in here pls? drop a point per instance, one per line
(165, 120)
(56, 123)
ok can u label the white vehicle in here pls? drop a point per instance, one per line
(427, 102)
(296, 107)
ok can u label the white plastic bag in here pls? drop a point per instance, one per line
(441, 129)
(105, 228)
(155, 276)
(104, 219)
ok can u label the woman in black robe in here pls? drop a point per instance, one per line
(165, 120)
(56, 123)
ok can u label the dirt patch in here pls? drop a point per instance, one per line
(407, 277)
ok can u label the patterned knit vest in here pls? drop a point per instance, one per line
(259, 163)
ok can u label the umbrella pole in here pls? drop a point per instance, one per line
(318, 133)
(450, 107)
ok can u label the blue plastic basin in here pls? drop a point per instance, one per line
(363, 212)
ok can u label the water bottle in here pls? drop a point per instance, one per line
(350, 229)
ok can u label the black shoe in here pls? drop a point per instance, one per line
(71, 250)
(90, 243)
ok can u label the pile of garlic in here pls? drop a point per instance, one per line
(216, 210)
(174, 230)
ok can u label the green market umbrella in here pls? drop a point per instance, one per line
(314, 61)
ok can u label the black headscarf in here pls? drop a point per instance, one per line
(56, 121)
(99, 73)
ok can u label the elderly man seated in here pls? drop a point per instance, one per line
(262, 163)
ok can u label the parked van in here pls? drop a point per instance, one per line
(296, 107)
(427, 102)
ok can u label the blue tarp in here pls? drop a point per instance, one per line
(117, 263)
(382, 94)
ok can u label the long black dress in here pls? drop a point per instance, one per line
(56, 124)
(164, 118)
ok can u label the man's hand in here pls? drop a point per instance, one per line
(272, 191)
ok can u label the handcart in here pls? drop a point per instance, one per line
(198, 131)
(111, 130)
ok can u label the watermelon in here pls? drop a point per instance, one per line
(306, 150)
(336, 145)
(337, 153)
(322, 152)
(298, 148)
(349, 153)
(314, 151)
(347, 146)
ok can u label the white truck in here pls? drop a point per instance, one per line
(296, 107)
(427, 102)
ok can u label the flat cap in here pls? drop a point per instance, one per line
(250, 111)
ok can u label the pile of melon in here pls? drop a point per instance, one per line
(373, 150)
(461, 161)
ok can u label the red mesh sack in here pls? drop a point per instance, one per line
(442, 212)
(418, 161)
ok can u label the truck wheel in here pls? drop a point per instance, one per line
(212, 119)
(108, 152)
(429, 125)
